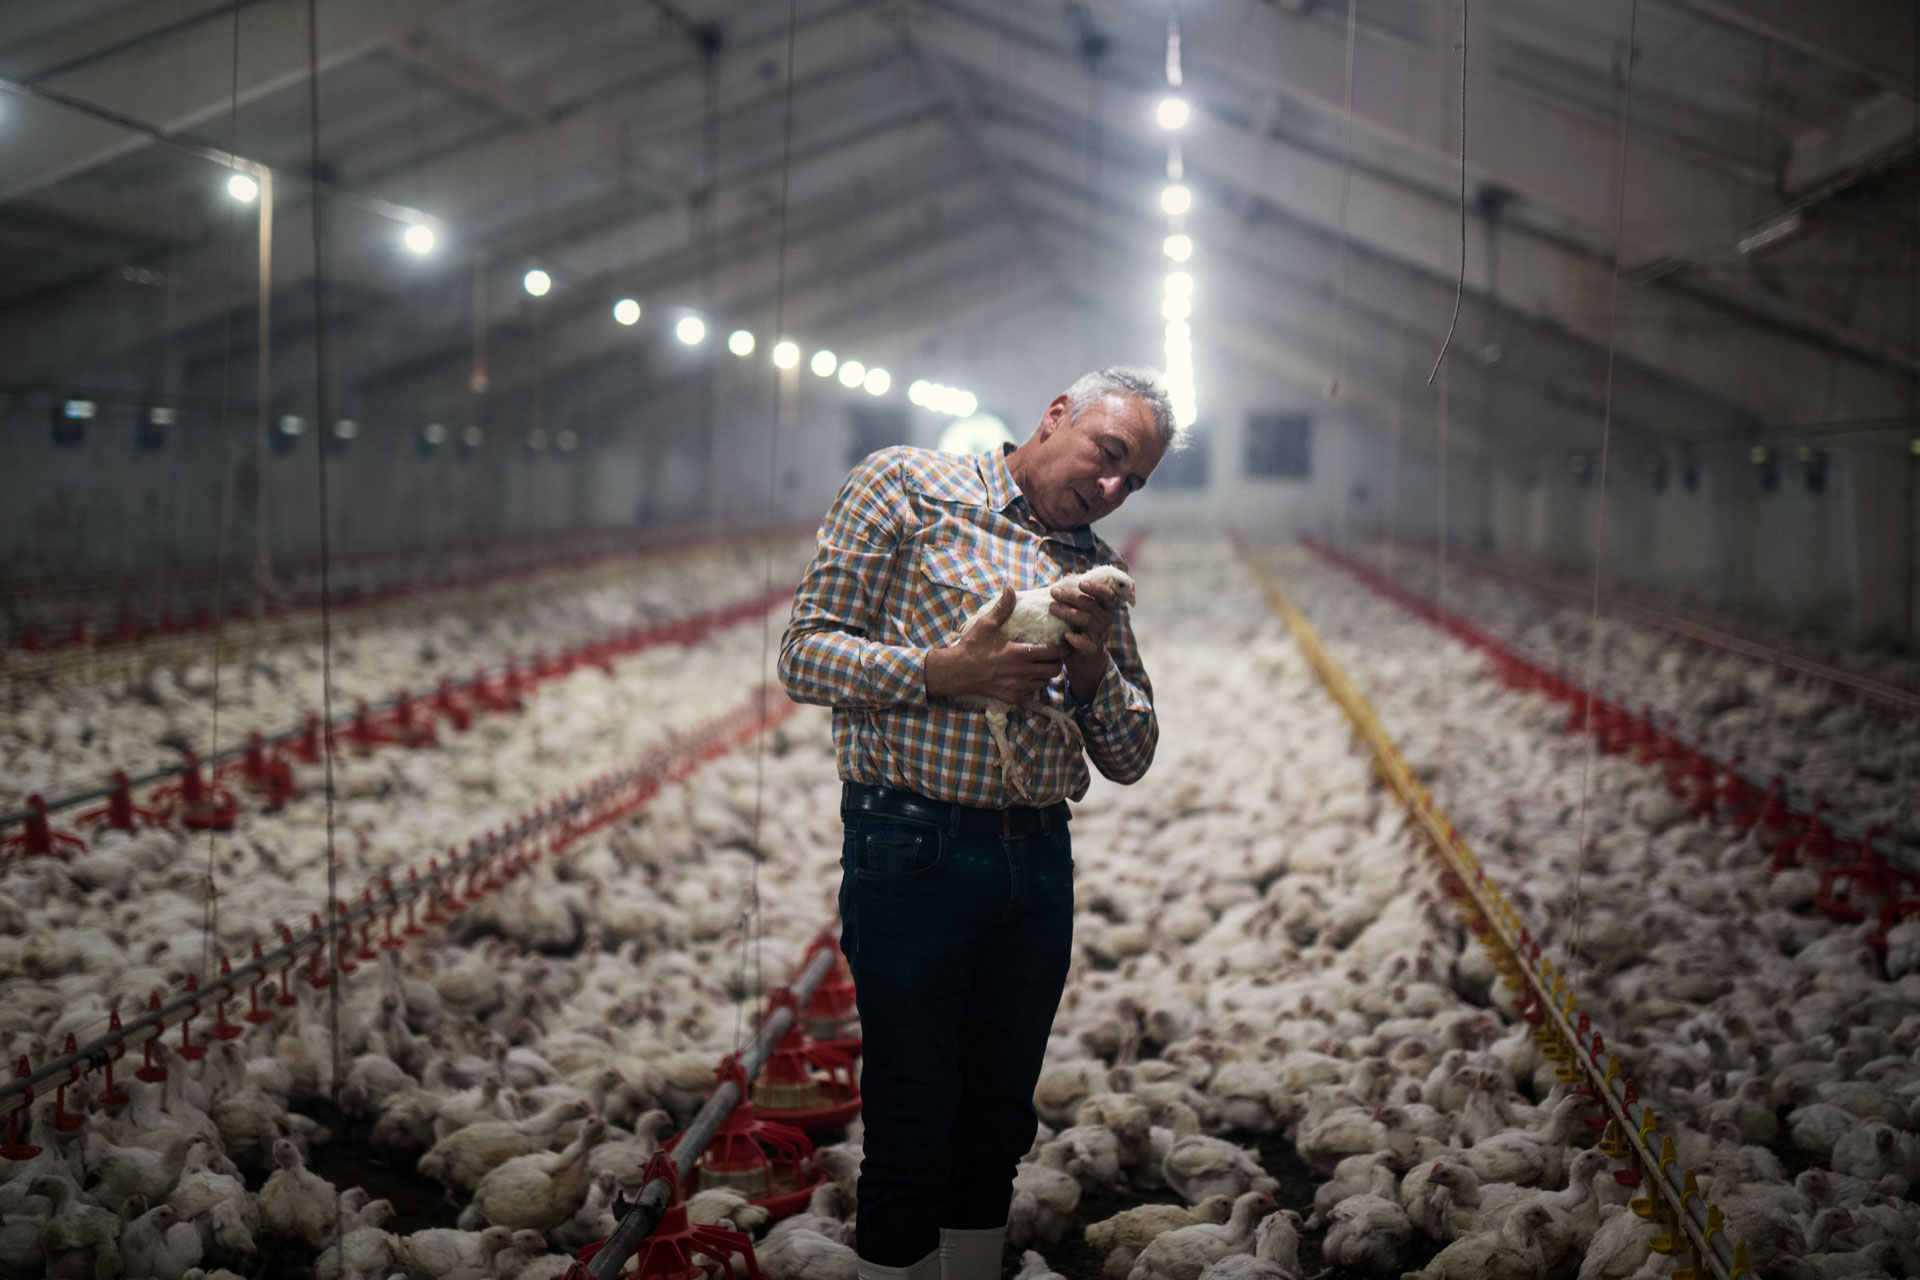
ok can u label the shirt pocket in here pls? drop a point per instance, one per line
(950, 586)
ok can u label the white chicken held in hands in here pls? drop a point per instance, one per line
(1032, 622)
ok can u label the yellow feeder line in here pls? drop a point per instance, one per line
(242, 640)
(1714, 1254)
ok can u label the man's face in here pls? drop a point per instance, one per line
(1081, 471)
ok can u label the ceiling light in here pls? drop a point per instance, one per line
(566, 441)
(346, 429)
(964, 404)
(877, 381)
(434, 433)
(626, 311)
(1780, 229)
(824, 363)
(917, 391)
(1176, 199)
(537, 282)
(740, 342)
(1176, 308)
(1172, 113)
(1179, 284)
(418, 237)
(691, 330)
(537, 439)
(1179, 248)
(242, 188)
(852, 373)
(293, 424)
(470, 436)
(786, 354)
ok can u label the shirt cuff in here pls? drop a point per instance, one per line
(1110, 699)
(898, 674)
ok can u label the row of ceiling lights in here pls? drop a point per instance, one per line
(1176, 200)
(692, 330)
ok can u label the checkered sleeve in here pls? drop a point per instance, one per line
(1119, 724)
(825, 656)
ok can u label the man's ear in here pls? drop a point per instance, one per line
(1056, 415)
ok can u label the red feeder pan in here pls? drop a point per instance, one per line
(833, 1020)
(769, 1163)
(806, 1085)
(677, 1249)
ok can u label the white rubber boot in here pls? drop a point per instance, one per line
(928, 1268)
(971, 1254)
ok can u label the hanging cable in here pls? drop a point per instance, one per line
(335, 924)
(1459, 284)
(1600, 503)
(773, 470)
(210, 910)
(1346, 184)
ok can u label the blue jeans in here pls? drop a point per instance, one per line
(959, 946)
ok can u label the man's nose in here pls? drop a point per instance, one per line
(1111, 487)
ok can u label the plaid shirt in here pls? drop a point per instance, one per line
(914, 545)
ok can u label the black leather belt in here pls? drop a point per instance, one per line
(1008, 824)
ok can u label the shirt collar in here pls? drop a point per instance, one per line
(1003, 492)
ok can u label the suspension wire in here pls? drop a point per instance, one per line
(335, 922)
(1600, 502)
(1342, 529)
(1346, 185)
(773, 472)
(1460, 284)
(210, 906)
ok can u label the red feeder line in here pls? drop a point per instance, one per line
(150, 1071)
(14, 1148)
(120, 813)
(64, 1120)
(255, 1014)
(188, 1049)
(223, 1029)
(113, 1095)
(37, 838)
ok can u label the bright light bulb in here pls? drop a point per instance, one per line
(1176, 199)
(242, 188)
(626, 311)
(740, 342)
(1181, 333)
(418, 237)
(1172, 113)
(824, 363)
(786, 355)
(877, 381)
(1179, 284)
(691, 330)
(1176, 308)
(964, 404)
(852, 373)
(1179, 248)
(537, 282)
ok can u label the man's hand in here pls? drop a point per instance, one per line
(1088, 609)
(984, 661)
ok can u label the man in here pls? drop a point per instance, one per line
(956, 899)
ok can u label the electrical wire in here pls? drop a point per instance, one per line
(318, 285)
(780, 376)
(1572, 959)
(1460, 284)
(1346, 185)
(210, 908)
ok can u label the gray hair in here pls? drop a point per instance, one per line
(1135, 382)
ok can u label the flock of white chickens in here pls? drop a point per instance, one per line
(1279, 1051)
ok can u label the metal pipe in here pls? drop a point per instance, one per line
(646, 1212)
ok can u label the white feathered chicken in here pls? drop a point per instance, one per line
(1032, 622)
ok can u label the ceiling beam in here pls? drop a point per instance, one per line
(1707, 335)
(1869, 38)
(178, 79)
